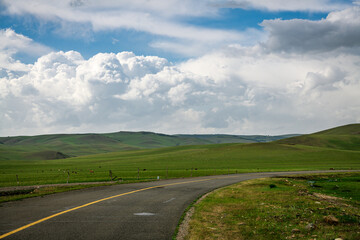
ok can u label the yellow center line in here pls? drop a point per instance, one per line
(97, 201)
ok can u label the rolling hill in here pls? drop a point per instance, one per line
(59, 146)
(345, 137)
(336, 148)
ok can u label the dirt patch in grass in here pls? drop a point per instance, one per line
(326, 197)
(291, 210)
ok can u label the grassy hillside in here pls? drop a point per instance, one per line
(344, 137)
(351, 129)
(38, 147)
(71, 145)
(182, 161)
(322, 150)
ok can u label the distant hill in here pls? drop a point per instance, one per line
(351, 129)
(46, 159)
(223, 138)
(345, 137)
(70, 145)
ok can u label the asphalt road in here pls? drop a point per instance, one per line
(128, 211)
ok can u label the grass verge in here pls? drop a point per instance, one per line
(303, 207)
(39, 192)
(19, 194)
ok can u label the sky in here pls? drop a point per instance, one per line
(178, 66)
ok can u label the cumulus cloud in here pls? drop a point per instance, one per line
(230, 91)
(282, 90)
(63, 89)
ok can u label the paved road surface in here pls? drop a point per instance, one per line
(127, 211)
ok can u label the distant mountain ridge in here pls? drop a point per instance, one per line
(55, 146)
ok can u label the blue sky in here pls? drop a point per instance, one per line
(180, 66)
(90, 42)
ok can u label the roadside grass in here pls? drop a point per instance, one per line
(343, 185)
(15, 195)
(177, 162)
(39, 192)
(290, 209)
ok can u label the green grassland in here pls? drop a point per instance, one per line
(304, 207)
(344, 137)
(192, 160)
(60, 146)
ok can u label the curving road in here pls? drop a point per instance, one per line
(128, 211)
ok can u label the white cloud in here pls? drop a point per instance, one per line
(170, 20)
(154, 17)
(177, 94)
(283, 91)
(194, 48)
(284, 5)
(62, 90)
(242, 93)
(12, 43)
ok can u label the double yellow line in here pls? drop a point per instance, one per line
(91, 203)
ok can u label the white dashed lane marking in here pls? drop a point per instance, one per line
(144, 214)
(171, 199)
